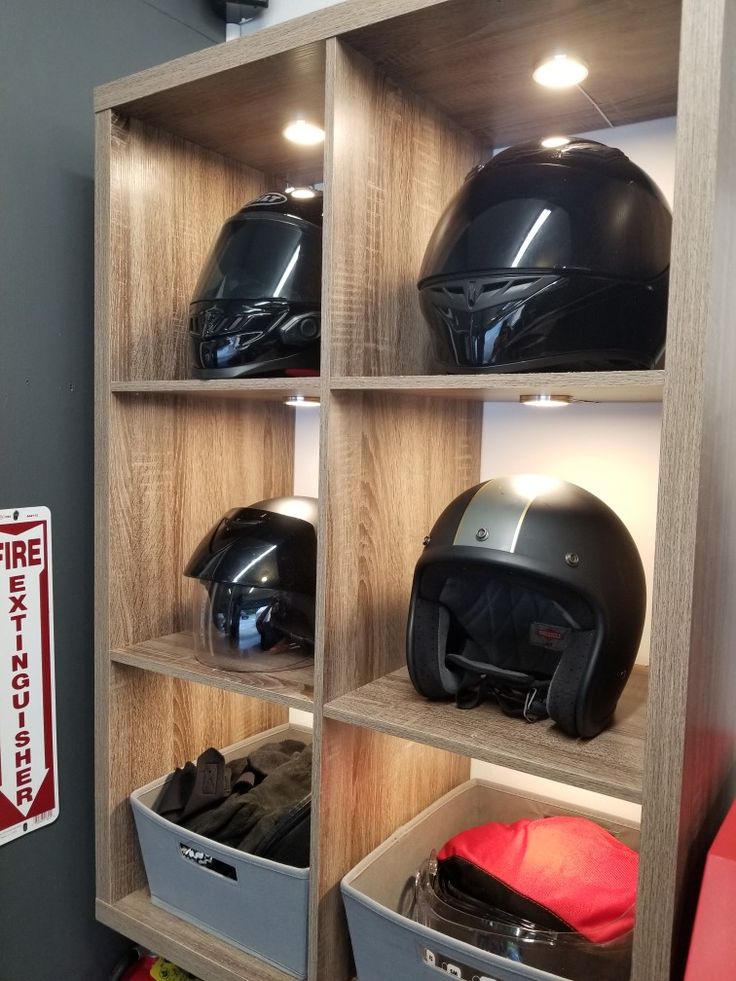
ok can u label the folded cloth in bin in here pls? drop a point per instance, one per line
(259, 804)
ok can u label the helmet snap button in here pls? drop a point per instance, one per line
(426, 541)
(572, 559)
(481, 534)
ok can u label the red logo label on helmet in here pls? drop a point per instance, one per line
(549, 635)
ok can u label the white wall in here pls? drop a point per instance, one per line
(612, 450)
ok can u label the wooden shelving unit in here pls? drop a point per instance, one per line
(412, 93)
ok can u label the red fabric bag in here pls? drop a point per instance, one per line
(562, 873)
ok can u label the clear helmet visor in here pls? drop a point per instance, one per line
(246, 628)
(429, 902)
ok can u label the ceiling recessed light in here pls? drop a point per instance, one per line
(302, 192)
(552, 142)
(561, 71)
(304, 133)
(545, 401)
(302, 402)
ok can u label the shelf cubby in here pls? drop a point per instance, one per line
(151, 724)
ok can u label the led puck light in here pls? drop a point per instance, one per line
(304, 133)
(545, 401)
(560, 71)
(302, 402)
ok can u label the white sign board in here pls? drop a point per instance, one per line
(29, 793)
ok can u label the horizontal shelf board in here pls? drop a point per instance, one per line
(195, 950)
(612, 763)
(173, 655)
(584, 386)
(264, 389)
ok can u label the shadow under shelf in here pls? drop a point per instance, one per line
(173, 655)
(611, 764)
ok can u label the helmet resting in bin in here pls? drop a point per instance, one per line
(530, 590)
(256, 308)
(550, 259)
(257, 571)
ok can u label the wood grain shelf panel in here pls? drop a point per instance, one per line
(474, 61)
(241, 111)
(195, 950)
(612, 763)
(583, 386)
(173, 655)
(262, 389)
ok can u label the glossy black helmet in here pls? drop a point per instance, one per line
(530, 590)
(550, 259)
(256, 307)
(253, 609)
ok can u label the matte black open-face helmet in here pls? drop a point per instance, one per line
(256, 308)
(257, 572)
(531, 591)
(550, 258)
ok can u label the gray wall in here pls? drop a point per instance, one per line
(52, 53)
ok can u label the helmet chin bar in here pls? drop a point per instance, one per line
(233, 338)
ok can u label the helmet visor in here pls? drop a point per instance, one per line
(263, 257)
(429, 901)
(246, 628)
(541, 217)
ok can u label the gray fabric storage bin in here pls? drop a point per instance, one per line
(387, 945)
(258, 905)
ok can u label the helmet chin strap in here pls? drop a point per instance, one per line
(516, 692)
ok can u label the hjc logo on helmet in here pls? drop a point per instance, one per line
(273, 198)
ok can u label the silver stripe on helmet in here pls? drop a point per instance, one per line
(497, 510)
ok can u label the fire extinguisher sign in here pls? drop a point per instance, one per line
(29, 792)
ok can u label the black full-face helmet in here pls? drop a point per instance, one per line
(256, 309)
(253, 609)
(531, 591)
(550, 259)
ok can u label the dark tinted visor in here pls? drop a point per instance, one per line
(545, 216)
(263, 256)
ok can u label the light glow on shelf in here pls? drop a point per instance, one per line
(560, 71)
(302, 192)
(545, 401)
(304, 133)
(302, 402)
